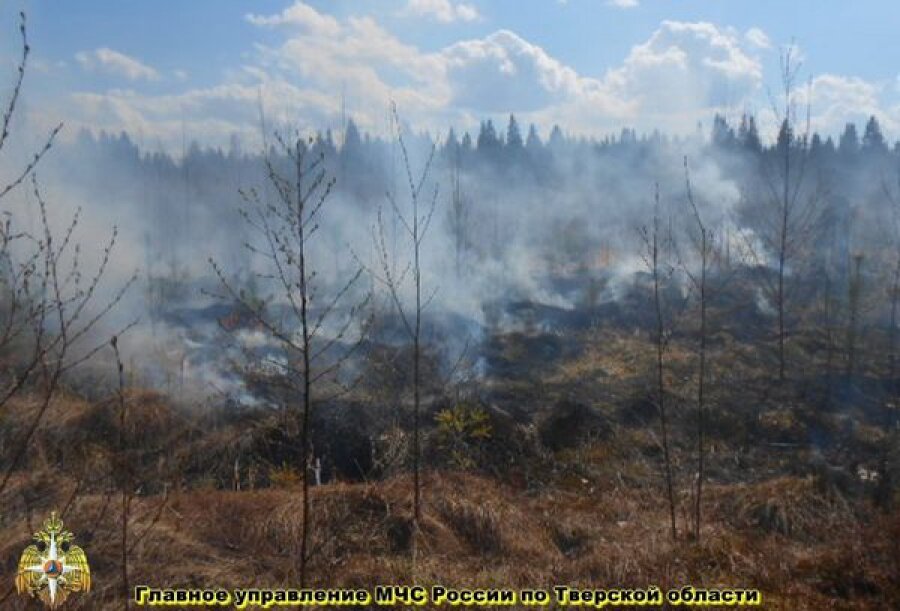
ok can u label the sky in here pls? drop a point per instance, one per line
(168, 71)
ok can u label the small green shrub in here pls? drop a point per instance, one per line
(461, 431)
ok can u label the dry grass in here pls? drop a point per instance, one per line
(596, 518)
(789, 506)
(802, 549)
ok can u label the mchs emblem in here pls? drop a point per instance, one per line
(51, 568)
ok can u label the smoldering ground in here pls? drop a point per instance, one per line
(516, 220)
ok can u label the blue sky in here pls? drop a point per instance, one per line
(155, 68)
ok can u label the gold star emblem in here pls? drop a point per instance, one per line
(51, 568)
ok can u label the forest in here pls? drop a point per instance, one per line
(516, 357)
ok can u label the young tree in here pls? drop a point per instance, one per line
(458, 214)
(703, 244)
(415, 220)
(655, 241)
(123, 469)
(284, 228)
(50, 309)
(790, 207)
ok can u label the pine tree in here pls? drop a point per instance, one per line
(487, 137)
(466, 144)
(451, 143)
(751, 140)
(557, 140)
(848, 145)
(513, 135)
(873, 139)
(352, 139)
(533, 141)
(722, 135)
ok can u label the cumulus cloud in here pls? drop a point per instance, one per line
(504, 72)
(300, 82)
(211, 114)
(758, 38)
(680, 75)
(840, 99)
(367, 63)
(444, 11)
(116, 63)
(300, 15)
(670, 81)
(686, 66)
(682, 72)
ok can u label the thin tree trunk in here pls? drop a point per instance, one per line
(782, 253)
(307, 380)
(701, 382)
(855, 291)
(665, 437)
(660, 349)
(123, 466)
(417, 484)
(416, 228)
(459, 214)
(829, 340)
(701, 386)
(126, 589)
(892, 334)
(417, 395)
(785, 218)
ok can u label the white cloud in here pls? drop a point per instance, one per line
(503, 72)
(688, 66)
(849, 91)
(758, 38)
(300, 15)
(681, 74)
(833, 101)
(444, 11)
(301, 83)
(622, 3)
(116, 63)
(837, 100)
(670, 81)
(366, 62)
(211, 114)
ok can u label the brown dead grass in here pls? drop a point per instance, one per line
(599, 521)
(782, 536)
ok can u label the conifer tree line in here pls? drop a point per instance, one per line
(498, 174)
(365, 166)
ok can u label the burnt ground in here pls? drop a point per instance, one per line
(544, 466)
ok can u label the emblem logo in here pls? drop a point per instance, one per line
(52, 567)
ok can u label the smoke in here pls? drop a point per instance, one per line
(553, 224)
